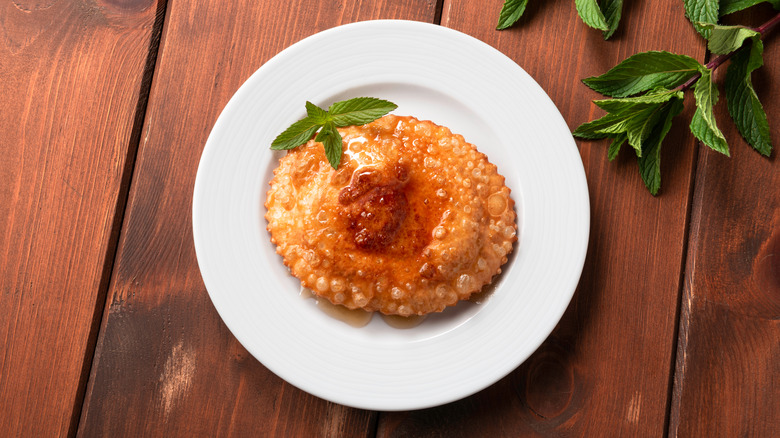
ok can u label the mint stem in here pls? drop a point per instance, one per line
(766, 27)
(720, 59)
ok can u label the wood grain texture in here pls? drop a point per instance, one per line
(165, 363)
(606, 367)
(64, 143)
(727, 379)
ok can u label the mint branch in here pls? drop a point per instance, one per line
(647, 91)
(769, 25)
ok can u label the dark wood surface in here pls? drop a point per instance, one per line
(728, 360)
(163, 353)
(72, 79)
(107, 328)
(585, 380)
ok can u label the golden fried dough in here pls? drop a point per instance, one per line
(413, 220)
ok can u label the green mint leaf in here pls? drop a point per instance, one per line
(330, 138)
(591, 14)
(599, 128)
(614, 147)
(297, 134)
(702, 11)
(316, 113)
(359, 111)
(703, 131)
(703, 124)
(650, 161)
(731, 6)
(612, 10)
(644, 71)
(726, 39)
(743, 103)
(619, 105)
(510, 13)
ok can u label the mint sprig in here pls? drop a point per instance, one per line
(356, 111)
(647, 91)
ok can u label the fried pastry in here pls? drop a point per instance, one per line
(413, 220)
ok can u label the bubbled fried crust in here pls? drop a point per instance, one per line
(414, 219)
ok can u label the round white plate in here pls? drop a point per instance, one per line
(433, 73)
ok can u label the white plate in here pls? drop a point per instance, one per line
(433, 73)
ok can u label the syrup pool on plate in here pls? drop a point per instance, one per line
(359, 317)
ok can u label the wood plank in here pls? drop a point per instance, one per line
(164, 357)
(72, 74)
(606, 367)
(727, 380)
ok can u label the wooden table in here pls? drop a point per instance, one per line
(107, 329)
